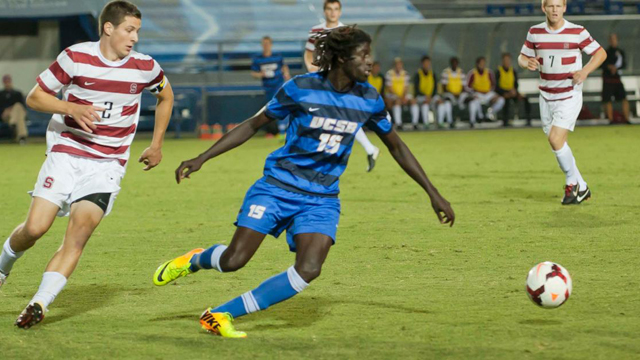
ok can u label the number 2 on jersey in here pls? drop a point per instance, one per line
(109, 107)
(329, 143)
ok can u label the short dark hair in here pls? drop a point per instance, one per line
(426, 57)
(453, 58)
(505, 55)
(327, 2)
(338, 43)
(480, 58)
(267, 37)
(115, 12)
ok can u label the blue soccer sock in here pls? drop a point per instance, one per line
(208, 259)
(272, 291)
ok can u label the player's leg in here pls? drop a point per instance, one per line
(84, 217)
(372, 151)
(626, 112)
(608, 109)
(397, 111)
(312, 250)
(575, 184)
(415, 111)
(41, 215)
(497, 103)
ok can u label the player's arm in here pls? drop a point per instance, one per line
(308, 61)
(234, 138)
(285, 72)
(597, 58)
(256, 73)
(152, 155)
(403, 156)
(84, 115)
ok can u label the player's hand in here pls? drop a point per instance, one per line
(85, 116)
(443, 210)
(151, 157)
(533, 64)
(188, 167)
(579, 77)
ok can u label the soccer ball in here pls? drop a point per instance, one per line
(549, 285)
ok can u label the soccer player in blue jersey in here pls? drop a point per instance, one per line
(273, 72)
(299, 190)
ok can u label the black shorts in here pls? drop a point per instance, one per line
(611, 91)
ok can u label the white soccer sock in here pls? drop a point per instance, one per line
(472, 111)
(215, 256)
(8, 257)
(583, 184)
(441, 110)
(397, 114)
(362, 138)
(51, 285)
(425, 113)
(415, 114)
(567, 163)
(498, 105)
(449, 109)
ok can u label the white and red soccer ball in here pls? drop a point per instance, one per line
(549, 285)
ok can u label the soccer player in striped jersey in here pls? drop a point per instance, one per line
(299, 190)
(332, 12)
(88, 142)
(554, 48)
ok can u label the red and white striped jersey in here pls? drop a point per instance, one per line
(560, 54)
(310, 45)
(85, 77)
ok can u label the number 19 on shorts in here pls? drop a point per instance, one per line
(256, 211)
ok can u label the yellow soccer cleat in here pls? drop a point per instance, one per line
(220, 324)
(175, 268)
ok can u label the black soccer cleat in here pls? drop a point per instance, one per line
(583, 195)
(371, 159)
(570, 194)
(32, 315)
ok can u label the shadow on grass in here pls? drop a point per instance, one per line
(546, 196)
(299, 312)
(538, 322)
(77, 300)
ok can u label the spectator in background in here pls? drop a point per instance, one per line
(425, 85)
(375, 78)
(273, 72)
(452, 80)
(13, 110)
(480, 85)
(397, 83)
(612, 87)
(507, 87)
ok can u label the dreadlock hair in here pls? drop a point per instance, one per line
(338, 43)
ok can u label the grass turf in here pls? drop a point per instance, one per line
(396, 285)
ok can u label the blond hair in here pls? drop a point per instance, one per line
(544, 2)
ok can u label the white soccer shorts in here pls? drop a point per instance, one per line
(65, 178)
(560, 113)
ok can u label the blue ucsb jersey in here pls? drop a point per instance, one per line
(322, 128)
(272, 68)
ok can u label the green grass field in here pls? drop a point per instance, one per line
(397, 284)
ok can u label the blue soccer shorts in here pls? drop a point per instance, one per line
(271, 210)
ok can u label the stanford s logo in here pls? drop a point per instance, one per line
(134, 88)
(48, 182)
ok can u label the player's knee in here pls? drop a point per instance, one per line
(308, 272)
(232, 262)
(34, 230)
